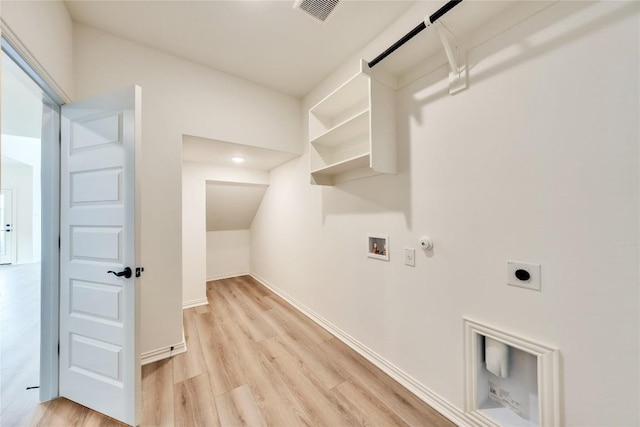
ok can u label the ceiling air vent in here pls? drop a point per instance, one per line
(318, 9)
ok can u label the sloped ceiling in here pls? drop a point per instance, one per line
(232, 206)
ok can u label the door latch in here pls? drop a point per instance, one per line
(139, 271)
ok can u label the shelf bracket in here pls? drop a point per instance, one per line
(456, 58)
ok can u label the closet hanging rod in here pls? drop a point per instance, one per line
(433, 18)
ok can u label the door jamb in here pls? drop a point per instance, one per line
(50, 264)
(50, 187)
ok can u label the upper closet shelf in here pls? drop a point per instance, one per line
(355, 121)
(345, 131)
(344, 98)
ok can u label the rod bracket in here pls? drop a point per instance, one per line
(456, 57)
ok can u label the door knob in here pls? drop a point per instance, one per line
(126, 273)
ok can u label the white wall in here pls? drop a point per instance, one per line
(194, 222)
(178, 97)
(26, 151)
(537, 161)
(227, 253)
(19, 179)
(46, 30)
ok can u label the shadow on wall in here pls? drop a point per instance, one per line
(392, 193)
(567, 32)
(527, 49)
(377, 194)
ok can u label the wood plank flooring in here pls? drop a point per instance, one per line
(253, 360)
(19, 342)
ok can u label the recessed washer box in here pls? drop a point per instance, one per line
(378, 246)
(524, 275)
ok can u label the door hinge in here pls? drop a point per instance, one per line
(58, 348)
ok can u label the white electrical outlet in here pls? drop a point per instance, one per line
(410, 257)
(523, 275)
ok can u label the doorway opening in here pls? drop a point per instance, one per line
(29, 186)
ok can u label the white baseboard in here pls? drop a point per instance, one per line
(423, 393)
(228, 275)
(194, 303)
(164, 353)
(203, 301)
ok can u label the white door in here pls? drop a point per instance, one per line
(99, 315)
(6, 227)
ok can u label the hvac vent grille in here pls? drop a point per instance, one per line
(318, 9)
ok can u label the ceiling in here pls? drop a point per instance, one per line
(264, 41)
(220, 153)
(232, 206)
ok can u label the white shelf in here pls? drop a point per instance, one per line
(352, 92)
(347, 130)
(357, 162)
(352, 131)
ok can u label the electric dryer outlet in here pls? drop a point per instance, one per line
(524, 275)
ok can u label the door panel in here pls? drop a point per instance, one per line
(97, 244)
(95, 187)
(99, 358)
(101, 301)
(92, 131)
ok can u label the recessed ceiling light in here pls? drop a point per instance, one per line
(238, 159)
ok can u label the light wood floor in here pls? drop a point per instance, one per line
(254, 360)
(19, 342)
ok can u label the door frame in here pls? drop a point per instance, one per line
(50, 233)
(50, 262)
